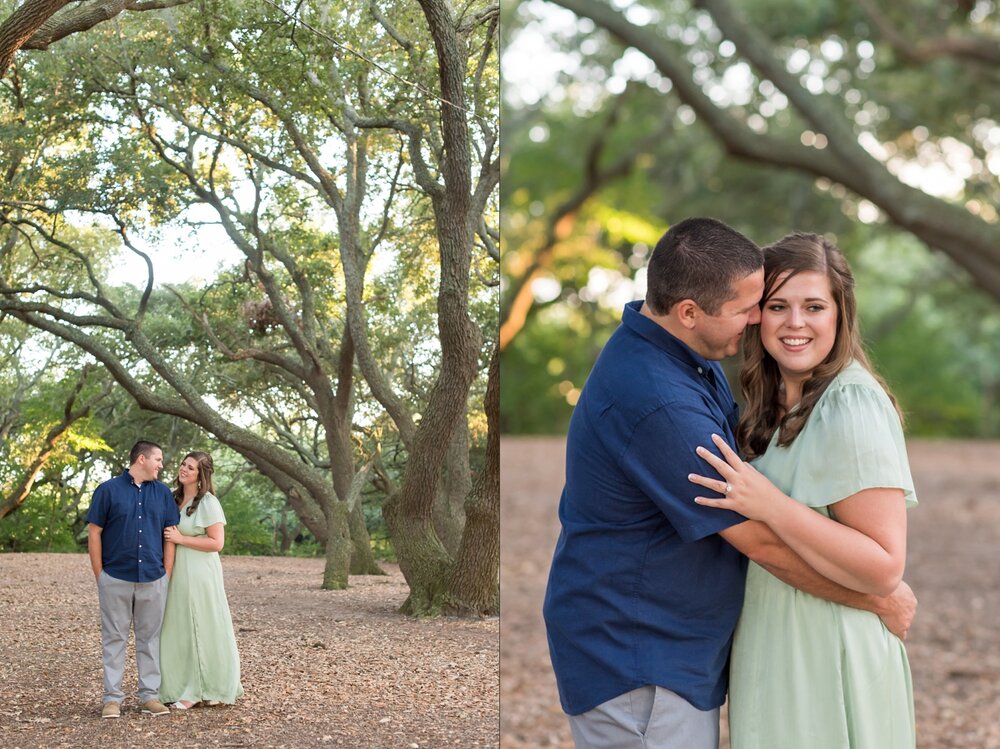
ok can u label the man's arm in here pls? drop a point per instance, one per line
(94, 548)
(758, 542)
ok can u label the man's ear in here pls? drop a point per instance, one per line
(686, 312)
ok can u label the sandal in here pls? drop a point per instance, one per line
(179, 705)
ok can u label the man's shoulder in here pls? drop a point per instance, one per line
(161, 487)
(110, 483)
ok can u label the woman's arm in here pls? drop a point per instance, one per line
(863, 549)
(761, 544)
(169, 552)
(213, 541)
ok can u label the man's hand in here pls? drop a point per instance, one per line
(899, 609)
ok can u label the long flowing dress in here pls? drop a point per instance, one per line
(198, 656)
(806, 672)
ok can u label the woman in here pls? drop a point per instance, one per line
(821, 428)
(198, 656)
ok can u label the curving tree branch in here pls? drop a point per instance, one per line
(967, 239)
(970, 47)
(39, 23)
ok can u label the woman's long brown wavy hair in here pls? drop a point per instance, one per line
(205, 470)
(759, 376)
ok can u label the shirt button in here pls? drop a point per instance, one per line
(701, 371)
(140, 531)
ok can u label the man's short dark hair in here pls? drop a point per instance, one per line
(142, 447)
(699, 259)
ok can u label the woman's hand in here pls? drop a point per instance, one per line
(174, 536)
(746, 490)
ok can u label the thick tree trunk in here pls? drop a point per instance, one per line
(474, 587)
(338, 548)
(284, 534)
(423, 560)
(362, 557)
(456, 483)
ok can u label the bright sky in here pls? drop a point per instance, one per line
(181, 255)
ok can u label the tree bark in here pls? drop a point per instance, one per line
(21, 25)
(338, 548)
(456, 483)
(38, 23)
(363, 560)
(474, 584)
(87, 15)
(423, 559)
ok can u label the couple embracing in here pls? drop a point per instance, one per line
(681, 569)
(154, 553)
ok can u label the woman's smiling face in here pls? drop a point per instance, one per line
(798, 324)
(188, 472)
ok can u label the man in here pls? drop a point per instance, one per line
(646, 586)
(125, 540)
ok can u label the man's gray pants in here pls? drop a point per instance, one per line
(646, 718)
(125, 605)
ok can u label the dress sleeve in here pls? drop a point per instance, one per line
(853, 441)
(209, 512)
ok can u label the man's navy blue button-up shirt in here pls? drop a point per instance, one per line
(133, 517)
(642, 589)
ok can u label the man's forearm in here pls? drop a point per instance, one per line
(94, 548)
(792, 570)
(763, 546)
(169, 550)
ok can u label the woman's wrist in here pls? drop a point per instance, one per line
(777, 508)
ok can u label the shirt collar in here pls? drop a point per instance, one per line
(660, 337)
(128, 477)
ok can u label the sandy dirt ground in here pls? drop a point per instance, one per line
(320, 668)
(952, 564)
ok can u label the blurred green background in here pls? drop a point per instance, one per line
(875, 126)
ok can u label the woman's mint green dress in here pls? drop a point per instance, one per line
(198, 656)
(807, 673)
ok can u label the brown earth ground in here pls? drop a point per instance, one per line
(320, 668)
(953, 645)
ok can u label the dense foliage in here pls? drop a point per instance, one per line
(329, 176)
(773, 116)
